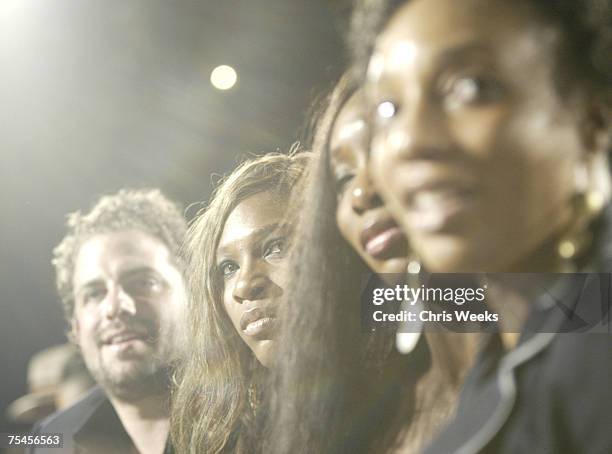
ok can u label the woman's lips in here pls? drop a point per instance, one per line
(384, 242)
(258, 322)
(383, 239)
(260, 327)
(435, 209)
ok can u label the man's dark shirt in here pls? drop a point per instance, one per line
(90, 426)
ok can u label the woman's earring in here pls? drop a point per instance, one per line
(408, 333)
(253, 396)
(574, 242)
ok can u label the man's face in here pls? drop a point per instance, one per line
(129, 300)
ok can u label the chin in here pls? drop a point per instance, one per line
(453, 255)
(266, 353)
(393, 271)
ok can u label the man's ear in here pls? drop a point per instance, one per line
(73, 334)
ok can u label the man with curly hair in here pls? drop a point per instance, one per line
(120, 278)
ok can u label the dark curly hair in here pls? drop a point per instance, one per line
(587, 26)
(146, 210)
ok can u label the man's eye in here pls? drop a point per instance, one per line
(228, 268)
(467, 91)
(276, 248)
(93, 295)
(143, 286)
(147, 284)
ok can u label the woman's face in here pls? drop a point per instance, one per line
(473, 149)
(251, 261)
(362, 218)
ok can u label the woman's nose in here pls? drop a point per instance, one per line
(251, 285)
(363, 196)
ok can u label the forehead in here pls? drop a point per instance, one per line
(422, 26)
(110, 254)
(254, 213)
(351, 119)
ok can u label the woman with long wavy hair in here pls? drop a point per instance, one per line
(235, 251)
(339, 386)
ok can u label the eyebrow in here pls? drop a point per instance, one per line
(130, 272)
(463, 50)
(91, 284)
(460, 52)
(259, 233)
(126, 274)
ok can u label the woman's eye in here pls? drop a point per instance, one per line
(343, 181)
(276, 248)
(228, 268)
(467, 91)
(386, 110)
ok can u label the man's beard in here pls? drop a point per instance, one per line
(142, 377)
(138, 375)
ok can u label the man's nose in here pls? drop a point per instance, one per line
(118, 302)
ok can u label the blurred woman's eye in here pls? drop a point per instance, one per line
(228, 268)
(468, 91)
(275, 249)
(342, 181)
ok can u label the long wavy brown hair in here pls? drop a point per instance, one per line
(212, 411)
(328, 396)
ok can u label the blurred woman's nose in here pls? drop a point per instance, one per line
(362, 195)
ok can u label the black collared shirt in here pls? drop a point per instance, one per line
(550, 394)
(91, 426)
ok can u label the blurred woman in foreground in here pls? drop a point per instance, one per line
(490, 141)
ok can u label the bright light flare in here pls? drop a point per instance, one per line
(223, 77)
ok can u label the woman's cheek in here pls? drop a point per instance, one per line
(478, 132)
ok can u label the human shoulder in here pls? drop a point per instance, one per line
(70, 420)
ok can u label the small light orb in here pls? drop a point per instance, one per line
(223, 77)
(414, 267)
(567, 249)
(386, 109)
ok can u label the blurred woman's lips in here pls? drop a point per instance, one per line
(383, 239)
(435, 207)
(437, 194)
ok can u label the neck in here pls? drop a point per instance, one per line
(146, 420)
(511, 296)
(544, 259)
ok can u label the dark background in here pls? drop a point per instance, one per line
(96, 95)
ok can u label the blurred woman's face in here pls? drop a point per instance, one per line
(251, 262)
(473, 149)
(362, 218)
